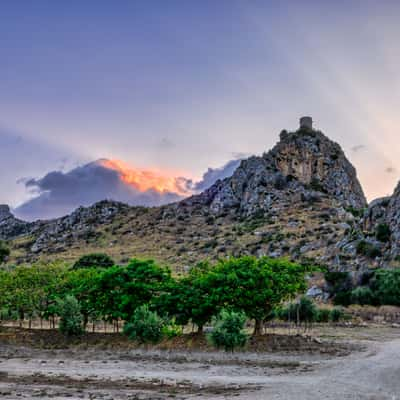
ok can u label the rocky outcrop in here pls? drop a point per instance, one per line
(304, 164)
(11, 227)
(393, 220)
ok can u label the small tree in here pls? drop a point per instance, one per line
(69, 311)
(94, 260)
(362, 296)
(4, 251)
(228, 330)
(336, 314)
(323, 315)
(146, 326)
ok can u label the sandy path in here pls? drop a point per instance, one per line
(374, 374)
(371, 374)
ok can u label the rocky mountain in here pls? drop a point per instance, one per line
(302, 199)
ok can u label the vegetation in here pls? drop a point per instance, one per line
(153, 303)
(368, 249)
(4, 251)
(70, 316)
(383, 233)
(385, 287)
(228, 330)
(336, 314)
(94, 260)
(245, 285)
(146, 326)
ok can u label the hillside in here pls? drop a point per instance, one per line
(302, 199)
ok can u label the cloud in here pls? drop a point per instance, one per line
(58, 193)
(214, 174)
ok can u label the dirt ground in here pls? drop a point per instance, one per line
(343, 363)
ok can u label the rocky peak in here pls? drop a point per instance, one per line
(318, 162)
(304, 164)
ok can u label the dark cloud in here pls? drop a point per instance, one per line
(214, 174)
(58, 193)
(357, 148)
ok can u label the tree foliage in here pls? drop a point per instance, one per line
(70, 316)
(145, 326)
(228, 330)
(4, 251)
(94, 260)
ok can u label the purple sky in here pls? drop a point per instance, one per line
(186, 85)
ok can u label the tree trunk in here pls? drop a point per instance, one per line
(257, 327)
(200, 329)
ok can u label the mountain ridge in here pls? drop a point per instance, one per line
(301, 199)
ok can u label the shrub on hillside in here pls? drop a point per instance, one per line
(386, 287)
(323, 315)
(94, 260)
(4, 251)
(69, 311)
(228, 330)
(382, 233)
(336, 314)
(368, 249)
(343, 298)
(362, 296)
(146, 326)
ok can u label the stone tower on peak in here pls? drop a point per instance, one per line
(306, 122)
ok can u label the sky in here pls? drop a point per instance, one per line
(183, 86)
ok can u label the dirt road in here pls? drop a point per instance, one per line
(373, 373)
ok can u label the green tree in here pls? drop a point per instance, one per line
(255, 286)
(190, 298)
(83, 284)
(385, 286)
(120, 290)
(94, 260)
(145, 326)
(70, 316)
(228, 330)
(362, 296)
(336, 314)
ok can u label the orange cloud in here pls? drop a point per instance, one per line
(143, 180)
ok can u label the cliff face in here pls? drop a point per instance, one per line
(303, 164)
(11, 227)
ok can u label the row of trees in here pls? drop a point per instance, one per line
(254, 287)
(382, 287)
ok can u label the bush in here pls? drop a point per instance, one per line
(171, 329)
(338, 281)
(336, 314)
(362, 296)
(383, 233)
(69, 311)
(146, 326)
(368, 249)
(94, 260)
(386, 287)
(228, 330)
(343, 298)
(323, 315)
(4, 251)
